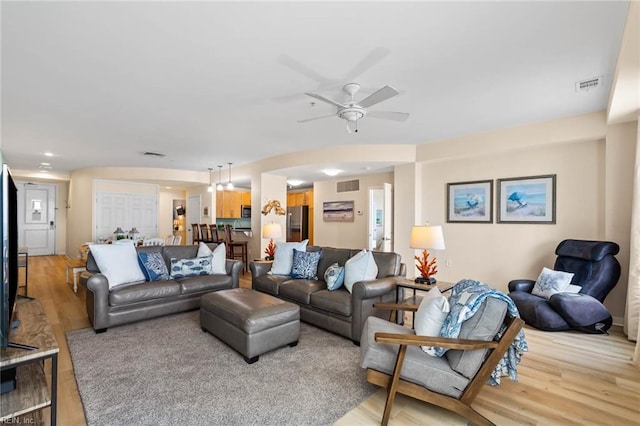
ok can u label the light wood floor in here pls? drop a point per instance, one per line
(565, 379)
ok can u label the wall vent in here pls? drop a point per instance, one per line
(586, 85)
(348, 185)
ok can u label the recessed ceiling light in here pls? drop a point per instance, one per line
(167, 187)
(44, 171)
(331, 172)
(48, 154)
(45, 164)
(295, 182)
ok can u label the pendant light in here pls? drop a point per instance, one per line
(219, 187)
(210, 187)
(230, 185)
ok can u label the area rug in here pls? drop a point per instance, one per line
(167, 371)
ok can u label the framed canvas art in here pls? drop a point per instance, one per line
(529, 199)
(337, 211)
(470, 202)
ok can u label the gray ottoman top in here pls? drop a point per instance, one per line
(249, 310)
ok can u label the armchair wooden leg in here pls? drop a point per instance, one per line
(393, 385)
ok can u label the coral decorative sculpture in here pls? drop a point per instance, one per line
(270, 251)
(427, 268)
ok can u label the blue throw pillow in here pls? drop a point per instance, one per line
(334, 276)
(182, 268)
(305, 264)
(153, 266)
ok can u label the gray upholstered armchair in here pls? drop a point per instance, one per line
(596, 271)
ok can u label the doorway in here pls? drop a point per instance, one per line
(37, 217)
(380, 235)
(193, 215)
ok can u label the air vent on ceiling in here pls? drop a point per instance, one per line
(348, 185)
(153, 154)
(586, 85)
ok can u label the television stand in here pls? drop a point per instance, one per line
(37, 344)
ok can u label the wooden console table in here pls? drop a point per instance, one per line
(31, 391)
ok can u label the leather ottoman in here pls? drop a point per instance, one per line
(251, 322)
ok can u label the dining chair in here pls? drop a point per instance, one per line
(213, 233)
(196, 233)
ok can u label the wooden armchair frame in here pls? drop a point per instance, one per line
(461, 405)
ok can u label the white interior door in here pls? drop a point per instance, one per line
(37, 217)
(381, 218)
(193, 214)
(119, 210)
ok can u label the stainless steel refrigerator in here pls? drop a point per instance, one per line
(297, 223)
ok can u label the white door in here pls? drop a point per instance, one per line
(381, 218)
(37, 217)
(193, 215)
(119, 210)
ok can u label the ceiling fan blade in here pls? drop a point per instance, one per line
(304, 70)
(323, 99)
(367, 62)
(316, 118)
(389, 115)
(381, 95)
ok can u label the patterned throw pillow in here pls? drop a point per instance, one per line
(182, 268)
(153, 266)
(305, 264)
(334, 276)
(551, 282)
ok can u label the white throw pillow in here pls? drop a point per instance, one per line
(361, 267)
(283, 259)
(118, 262)
(573, 289)
(219, 262)
(430, 315)
(551, 282)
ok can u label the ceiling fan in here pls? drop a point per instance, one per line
(351, 111)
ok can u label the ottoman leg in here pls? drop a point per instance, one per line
(294, 344)
(251, 360)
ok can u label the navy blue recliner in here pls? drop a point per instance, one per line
(595, 269)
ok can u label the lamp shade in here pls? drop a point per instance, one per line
(272, 230)
(427, 237)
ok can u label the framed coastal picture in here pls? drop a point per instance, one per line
(470, 202)
(529, 199)
(337, 211)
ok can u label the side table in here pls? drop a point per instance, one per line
(415, 299)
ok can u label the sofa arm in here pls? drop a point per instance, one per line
(373, 288)
(233, 269)
(97, 301)
(521, 285)
(259, 268)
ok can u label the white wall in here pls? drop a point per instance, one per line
(345, 234)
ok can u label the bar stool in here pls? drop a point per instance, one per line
(242, 254)
(213, 231)
(204, 233)
(196, 233)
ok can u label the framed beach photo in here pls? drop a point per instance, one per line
(527, 200)
(470, 202)
(337, 211)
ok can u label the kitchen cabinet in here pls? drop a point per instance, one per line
(246, 198)
(228, 203)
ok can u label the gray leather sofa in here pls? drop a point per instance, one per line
(136, 301)
(338, 311)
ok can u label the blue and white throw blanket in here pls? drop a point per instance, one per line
(466, 297)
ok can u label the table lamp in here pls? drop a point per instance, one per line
(426, 237)
(271, 231)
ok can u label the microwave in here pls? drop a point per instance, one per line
(245, 211)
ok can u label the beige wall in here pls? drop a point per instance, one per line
(345, 234)
(165, 209)
(593, 164)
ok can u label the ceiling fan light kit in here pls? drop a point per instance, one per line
(352, 111)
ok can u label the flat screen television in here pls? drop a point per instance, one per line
(9, 270)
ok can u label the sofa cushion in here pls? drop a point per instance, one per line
(177, 252)
(337, 302)
(360, 267)
(334, 276)
(330, 256)
(204, 283)
(301, 290)
(219, 261)
(283, 258)
(181, 268)
(153, 266)
(269, 283)
(128, 294)
(117, 262)
(305, 265)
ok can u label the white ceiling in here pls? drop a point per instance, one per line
(207, 83)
